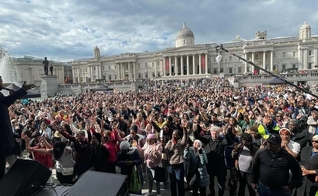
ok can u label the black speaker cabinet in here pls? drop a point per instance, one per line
(99, 183)
(24, 178)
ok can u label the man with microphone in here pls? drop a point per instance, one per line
(6, 135)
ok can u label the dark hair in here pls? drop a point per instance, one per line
(247, 137)
(58, 150)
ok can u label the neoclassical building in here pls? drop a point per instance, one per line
(190, 60)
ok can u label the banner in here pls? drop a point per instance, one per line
(203, 61)
(167, 64)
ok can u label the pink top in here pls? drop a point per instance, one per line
(152, 157)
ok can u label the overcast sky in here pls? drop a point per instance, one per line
(70, 29)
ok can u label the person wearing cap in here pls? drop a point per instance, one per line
(152, 153)
(270, 169)
(292, 147)
(309, 167)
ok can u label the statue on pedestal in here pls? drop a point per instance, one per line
(46, 66)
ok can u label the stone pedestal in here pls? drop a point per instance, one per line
(49, 86)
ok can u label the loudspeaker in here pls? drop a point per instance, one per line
(99, 183)
(24, 178)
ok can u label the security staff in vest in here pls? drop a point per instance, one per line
(270, 169)
(267, 126)
(46, 66)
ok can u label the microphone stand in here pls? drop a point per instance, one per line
(220, 47)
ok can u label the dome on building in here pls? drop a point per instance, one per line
(185, 37)
(96, 48)
(304, 32)
(305, 26)
(185, 32)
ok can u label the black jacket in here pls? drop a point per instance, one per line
(274, 171)
(215, 153)
(6, 136)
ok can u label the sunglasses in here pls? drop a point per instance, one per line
(315, 141)
(278, 116)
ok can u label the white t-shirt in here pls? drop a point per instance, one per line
(294, 146)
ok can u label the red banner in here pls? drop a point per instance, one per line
(203, 61)
(167, 64)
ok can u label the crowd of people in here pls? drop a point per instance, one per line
(204, 136)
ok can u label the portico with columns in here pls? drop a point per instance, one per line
(185, 64)
(263, 57)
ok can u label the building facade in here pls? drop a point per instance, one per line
(190, 60)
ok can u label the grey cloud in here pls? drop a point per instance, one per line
(68, 30)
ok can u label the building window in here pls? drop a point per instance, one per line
(294, 66)
(283, 67)
(239, 70)
(274, 67)
(309, 65)
(294, 54)
(215, 71)
(158, 74)
(284, 54)
(248, 69)
(146, 75)
(230, 70)
(153, 74)
(221, 70)
(115, 77)
(256, 56)
(86, 70)
(94, 68)
(139, 75)
(309, 52)
(109, 77)
(230, 58)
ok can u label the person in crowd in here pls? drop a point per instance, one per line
(309, 167)
(273, 179)
(152, 153)
(214, 148)
(289, 145)
(110, 140)
(243, 154)
(82, 152)
(100, 154)
(312, 122)
(63, 155)
(175, 147)
(298, 134)
(127, 158)
(197, 168)
(267, 126)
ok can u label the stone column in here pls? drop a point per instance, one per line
(200, 66)
(272, 61)
(155, 68)
(206, 63)
(245, 63)
(219, 64)
(253, 59)
(181, 66)
(129, 71)
(188, 71)
(193, 64)
(315, 56)
(134, 70)
(300, 58)
(164, 66)
(176, 66)
(305, 58)
(170, 68)
(264, 59)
